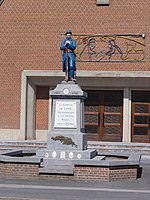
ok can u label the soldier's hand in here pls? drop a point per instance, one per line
(67, 43)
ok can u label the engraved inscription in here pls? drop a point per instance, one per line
(65, 114)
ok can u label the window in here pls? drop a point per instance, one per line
(102, 2)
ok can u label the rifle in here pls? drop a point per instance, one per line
(67, 65)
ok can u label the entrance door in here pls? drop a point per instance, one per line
(141, 116)
(103, 115)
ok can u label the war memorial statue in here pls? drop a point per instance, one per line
(67, 155)
(67, 151)
(68, 45)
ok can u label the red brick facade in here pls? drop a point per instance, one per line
(42, 108)
(30, 35)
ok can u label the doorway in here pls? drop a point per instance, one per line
(104, 115)
(141, 116)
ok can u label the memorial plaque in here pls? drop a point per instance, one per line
(65, 114)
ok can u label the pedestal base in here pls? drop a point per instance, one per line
(62, 161)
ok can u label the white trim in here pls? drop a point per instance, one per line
(11, 134)
(31, 105)
(126, 116)
(83, 73)
(49, 111)
(41, 135)
(23, 119)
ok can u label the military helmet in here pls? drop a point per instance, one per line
(68, 31)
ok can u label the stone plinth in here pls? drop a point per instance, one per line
(67, 140)
(67, 127)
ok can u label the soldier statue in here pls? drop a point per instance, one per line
(68, 45)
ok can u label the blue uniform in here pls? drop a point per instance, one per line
(71, 56)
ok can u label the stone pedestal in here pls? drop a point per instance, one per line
(67, 128)
(67, 140)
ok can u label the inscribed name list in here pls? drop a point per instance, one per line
(65, 114)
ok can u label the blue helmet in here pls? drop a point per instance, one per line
(68, 31)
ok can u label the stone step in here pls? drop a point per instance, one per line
(27, 144)
(118, 144)
(144, 148)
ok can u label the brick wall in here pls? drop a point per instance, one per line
(17, 170)
(122, 174)
(30, 35)
(42, 97)
(104, 174)
(91, 173)
(84, 173)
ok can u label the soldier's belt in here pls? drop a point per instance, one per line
(69, 50)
